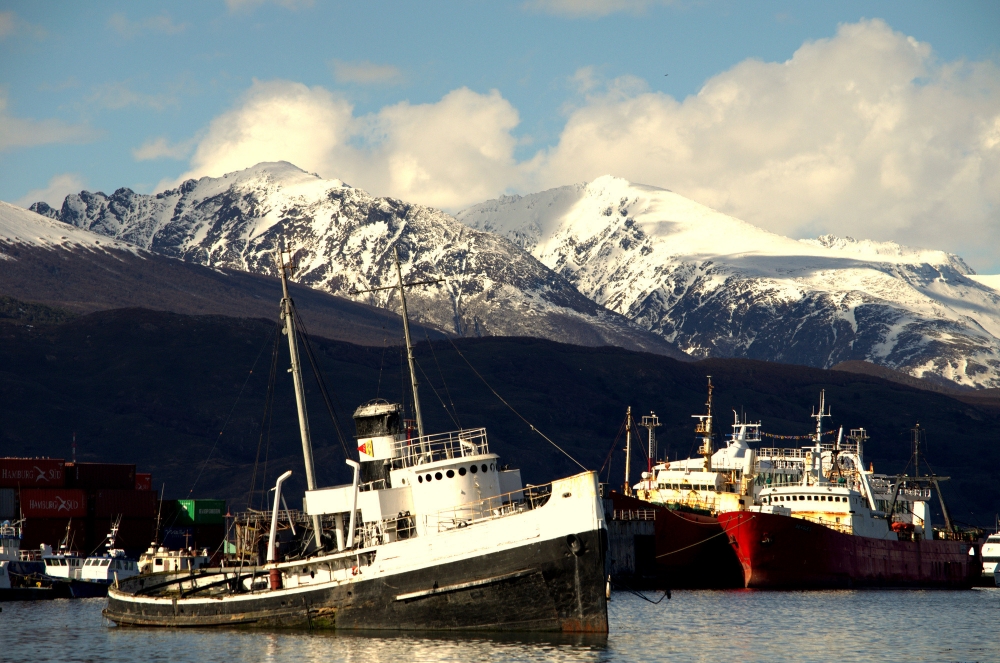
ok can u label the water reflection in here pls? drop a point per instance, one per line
(711, 626)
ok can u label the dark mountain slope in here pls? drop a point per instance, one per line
(157, 388)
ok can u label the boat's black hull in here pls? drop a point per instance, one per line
(555, 585)
(31, 594)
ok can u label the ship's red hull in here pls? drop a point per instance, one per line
(781, 552)
(691, 550)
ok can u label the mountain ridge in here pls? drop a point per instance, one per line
(720, 287)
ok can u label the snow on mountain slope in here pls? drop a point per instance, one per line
(718, 286)
(344, 240)
(21, 226)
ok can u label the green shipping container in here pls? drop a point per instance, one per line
(201, 512)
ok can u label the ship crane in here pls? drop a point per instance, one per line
(650, 423)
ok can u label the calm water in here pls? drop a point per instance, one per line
(720, 626)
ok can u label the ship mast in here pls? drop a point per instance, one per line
(288, 317)
(704, 428)
(401, 287)
(409, 349)
(628, 450)
(651, 423)
(818, 450)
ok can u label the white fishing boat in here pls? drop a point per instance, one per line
(432, 533)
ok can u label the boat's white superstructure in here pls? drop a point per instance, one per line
(991, 555)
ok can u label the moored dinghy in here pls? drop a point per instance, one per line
(432, 534)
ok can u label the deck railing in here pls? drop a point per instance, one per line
(442, 446)
(490, 508)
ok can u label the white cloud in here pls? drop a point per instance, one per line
(448, 154)
(863, 134)
(250, 5)
(161, 148)
(18, 132)
(365, 73)
(130, 29)
(591, 8)
(58, 188)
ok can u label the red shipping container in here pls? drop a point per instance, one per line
(143, 481)
(32, 472)
(126, 503)
(94, 476)
(53, 503)
(52, 531)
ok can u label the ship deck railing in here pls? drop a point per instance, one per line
(490, 508)
(442, 446)
(800, 452)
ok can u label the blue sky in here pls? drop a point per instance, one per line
(449, 103)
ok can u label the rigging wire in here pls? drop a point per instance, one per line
(230, 415)
(447, 392)
(431, 385)
(303, 335)
(266, 419)
(511, 407)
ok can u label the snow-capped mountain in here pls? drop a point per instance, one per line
(344, 240)
(720, 287)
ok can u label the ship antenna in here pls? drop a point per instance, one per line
(288, 316)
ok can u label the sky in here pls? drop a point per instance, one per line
(878, 120)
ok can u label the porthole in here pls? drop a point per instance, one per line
(420, 479)
(427, 478)
(461, 471)
(437, 475)
(491, 467)
(451, 474)
(484, 467)
(473, 469)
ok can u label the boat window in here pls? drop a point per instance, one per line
(105, 562)
(491, 467)
(427, 478)
(451, 474)
(437, 475)
(420, 479)
(158, 562)
(473, 469)
(461, 471)
(484, 467)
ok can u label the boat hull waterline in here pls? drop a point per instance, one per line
(783, 552)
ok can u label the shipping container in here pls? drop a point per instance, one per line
(126, 503)
(91, 476)
(52, 531)
(201, 512)
(53, 502)
(143, 481)
(32, 473)
(8, 504)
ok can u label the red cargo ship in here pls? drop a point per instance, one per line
(782, 552)
(844, 526)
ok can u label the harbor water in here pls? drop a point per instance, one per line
(745, 626)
